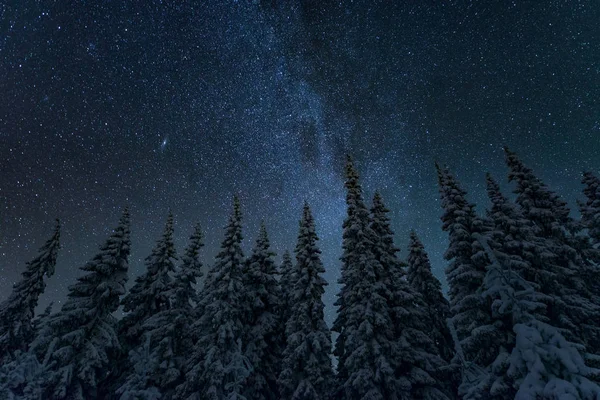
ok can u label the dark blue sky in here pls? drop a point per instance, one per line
(159, 105)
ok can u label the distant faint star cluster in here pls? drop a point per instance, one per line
(180, 105)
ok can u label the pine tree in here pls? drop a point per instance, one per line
(418, 368)
(217, 367)
(84, 330)
(263, 338)
(576, 274)
(17, 312)
(306, 366)
(286, 273)
(420, 277)
(590, 210)
(148, 304)
(357, 260)
(471, 312)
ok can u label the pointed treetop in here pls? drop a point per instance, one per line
(237, 208)
(262, 233)
(494, 192)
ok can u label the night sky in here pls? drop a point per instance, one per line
(158, 105)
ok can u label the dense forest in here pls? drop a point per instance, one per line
(521, 319)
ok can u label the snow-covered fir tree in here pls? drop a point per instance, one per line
(184, 294)
(419, 371)
(576, 272)
(263, 336)
(147, 305)
(150, 292)
(216, 366)
(159, 365)
(286, 279)
(370, 350)
(535, 361)
(420, 277)
(17, 312)
(471, 312)
(590, 209)
(518, 238)
(357, 260)
(306, 365)
(84, 337)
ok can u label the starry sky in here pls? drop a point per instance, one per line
(179, 105)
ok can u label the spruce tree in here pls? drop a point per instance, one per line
(576, 273)
(590, 210)
(184, 295)
(263, 337)
(17, 312)
(147, 304)
(84, 337)
(420, 277)
(419, 371)
(357, 260)
(159, 364)
(286, 280)
(471, 312)
(306, 365)
(217, 367)
(518, 238)
(149, 294)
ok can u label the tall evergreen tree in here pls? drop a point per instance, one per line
(84, 330)
(217, 367)
(590, 210)
(518, 238)
(150, 293)
(419, 370)
(576, 274)
(286, 273)
(263, 337)
(357, 260)
(159, 364)
(369, 361)
(17, 312)
(148, 298)
(184, 295)
(421, 278)
(471, 312)
(306, 366)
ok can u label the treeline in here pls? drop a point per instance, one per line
(522, 320)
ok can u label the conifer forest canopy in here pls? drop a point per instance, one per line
(302, 111)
